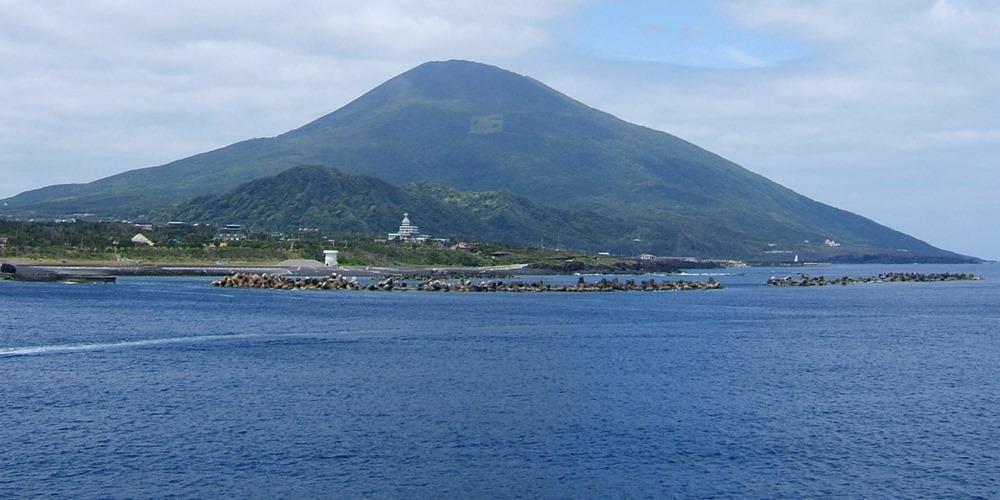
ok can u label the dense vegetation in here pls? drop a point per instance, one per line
(330, 201)
(333, 202)
(473, 127)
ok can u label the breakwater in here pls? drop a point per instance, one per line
(806, 280)
(452, 275)
(335, 282)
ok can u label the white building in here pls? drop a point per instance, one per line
(231, 232)
(141, 239)
(330, 258)
(408, 232)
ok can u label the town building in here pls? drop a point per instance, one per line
(231, 232)
(408, 232)
(3, 244)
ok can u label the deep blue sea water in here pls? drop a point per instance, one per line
(158, 386)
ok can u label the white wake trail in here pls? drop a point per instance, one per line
(126, 344)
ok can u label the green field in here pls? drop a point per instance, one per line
(109, 243)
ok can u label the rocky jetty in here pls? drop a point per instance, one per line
(806, 280)
(635, 266)
(449, 274)
(335, 282)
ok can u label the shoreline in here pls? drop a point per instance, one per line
(58, 272)
(84, 271)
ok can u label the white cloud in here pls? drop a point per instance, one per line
(93, 88)
(896, 107)
(743, 58)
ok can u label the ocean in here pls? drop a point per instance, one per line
(168, 386)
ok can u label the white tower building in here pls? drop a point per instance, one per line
(408, 231)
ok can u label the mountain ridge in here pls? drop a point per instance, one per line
(332, 201)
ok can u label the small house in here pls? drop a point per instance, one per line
(330, 258)
(141, 239)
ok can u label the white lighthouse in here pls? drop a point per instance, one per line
(408, 231)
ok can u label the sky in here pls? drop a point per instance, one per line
(889, 109)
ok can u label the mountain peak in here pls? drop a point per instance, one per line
(455, 65)
(466, 88)
(457, 78)
(453, 69)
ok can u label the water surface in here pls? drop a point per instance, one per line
(158, 386)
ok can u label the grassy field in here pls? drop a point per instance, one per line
(109, 243)
(356, 251)
(350, 255)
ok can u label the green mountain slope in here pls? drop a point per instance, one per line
(474, 127)
(330, 200)
(335, 202)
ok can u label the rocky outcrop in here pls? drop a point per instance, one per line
(806, 280)
(335, 282)
(275, 282)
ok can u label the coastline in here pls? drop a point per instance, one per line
(55, 272)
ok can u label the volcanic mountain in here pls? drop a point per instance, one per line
(472, 127)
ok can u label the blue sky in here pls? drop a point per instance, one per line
(689, 33)
(886, 109)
